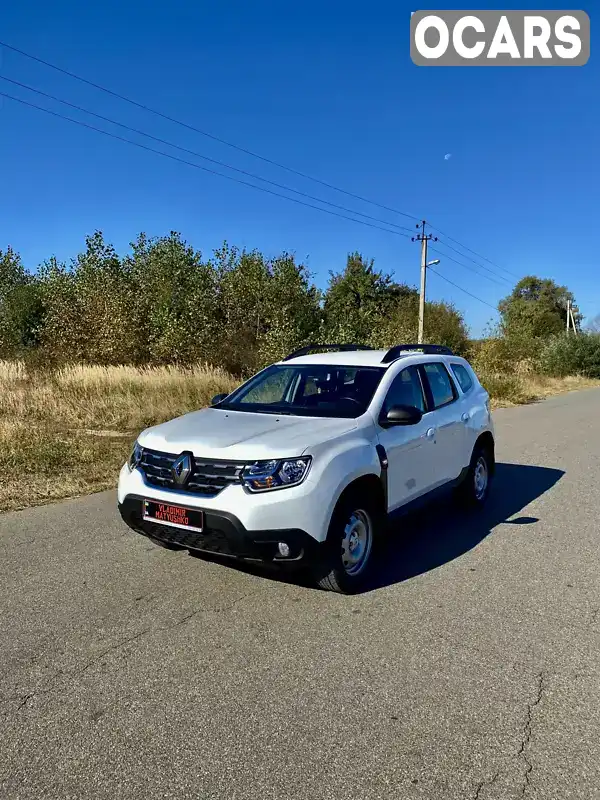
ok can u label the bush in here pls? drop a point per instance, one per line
(572, 355)
(506, 388)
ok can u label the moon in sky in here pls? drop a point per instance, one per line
(448, 156)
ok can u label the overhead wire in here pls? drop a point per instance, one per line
(200, 155)
(496, 275)
(202, 132)
(199, 166)
(251, 153)
(229, 177)
(456, 286)
(467, 266)
(464, 246)
(239, 148)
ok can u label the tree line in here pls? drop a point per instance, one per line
(165, 302)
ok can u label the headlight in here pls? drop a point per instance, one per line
(264, 475)
(136, 456)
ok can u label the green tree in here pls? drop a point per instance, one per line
(88, 307)
(292, 310)
(61, 334)
(175, 300)
(266, 308)
(105, 299)
(21, 310)
(444, 324)
(243, 313)
(357, 299)
(536, 308)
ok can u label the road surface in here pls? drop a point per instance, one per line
(471, 671)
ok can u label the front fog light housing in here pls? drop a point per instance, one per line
(135, 457)
(275, 474)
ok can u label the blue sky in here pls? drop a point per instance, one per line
(325, 87)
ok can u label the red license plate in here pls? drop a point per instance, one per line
(176, 516)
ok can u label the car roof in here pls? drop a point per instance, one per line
(361, 358)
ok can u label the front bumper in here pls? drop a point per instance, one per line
(223, 535)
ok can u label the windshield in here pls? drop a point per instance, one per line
(315, 390)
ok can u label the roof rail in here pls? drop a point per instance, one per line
(427, 349)
(342, 348)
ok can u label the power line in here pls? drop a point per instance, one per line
(241, 149)
(199, 155)
(481, 266)
(466, 266)
(203, 132)
(229, 177)
(199, 166)
(456, 286)
(464, 246)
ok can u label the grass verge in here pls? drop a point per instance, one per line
(67, 432)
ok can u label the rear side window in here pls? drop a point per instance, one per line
(462, 376)
(442, 390)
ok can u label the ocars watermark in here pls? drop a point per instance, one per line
(500, 38)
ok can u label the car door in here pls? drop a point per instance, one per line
(410, 449)
(471, 409)
(445, 412)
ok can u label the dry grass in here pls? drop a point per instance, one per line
(525, 387)
(67, 432)
(543, 386)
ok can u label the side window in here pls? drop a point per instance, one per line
(462, 376)
(442, 390)
(405, 391)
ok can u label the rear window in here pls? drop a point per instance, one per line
(462, 376)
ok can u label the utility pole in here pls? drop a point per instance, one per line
(572, 309)
(571, 317)
(423, 238)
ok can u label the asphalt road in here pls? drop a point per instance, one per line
(472, 670)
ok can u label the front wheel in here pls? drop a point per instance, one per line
(474, 490)
(350, 545)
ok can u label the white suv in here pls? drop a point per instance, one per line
(305, 461)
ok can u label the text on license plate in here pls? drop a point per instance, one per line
(176, 516)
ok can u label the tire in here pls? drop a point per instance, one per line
(475, 488)
(348, 555)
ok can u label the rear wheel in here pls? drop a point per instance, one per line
(349, 550)
(474, 490)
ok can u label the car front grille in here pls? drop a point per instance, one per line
(207, 478)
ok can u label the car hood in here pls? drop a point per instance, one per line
(241, 435)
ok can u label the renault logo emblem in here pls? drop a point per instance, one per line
(182, 466)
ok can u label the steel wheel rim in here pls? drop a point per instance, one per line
(480, 477)
(357, 542)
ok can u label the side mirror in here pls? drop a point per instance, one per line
(403, 415)
(218, 398)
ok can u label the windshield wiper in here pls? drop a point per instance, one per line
(231, 407)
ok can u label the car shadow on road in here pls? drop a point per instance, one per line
(441, 532)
